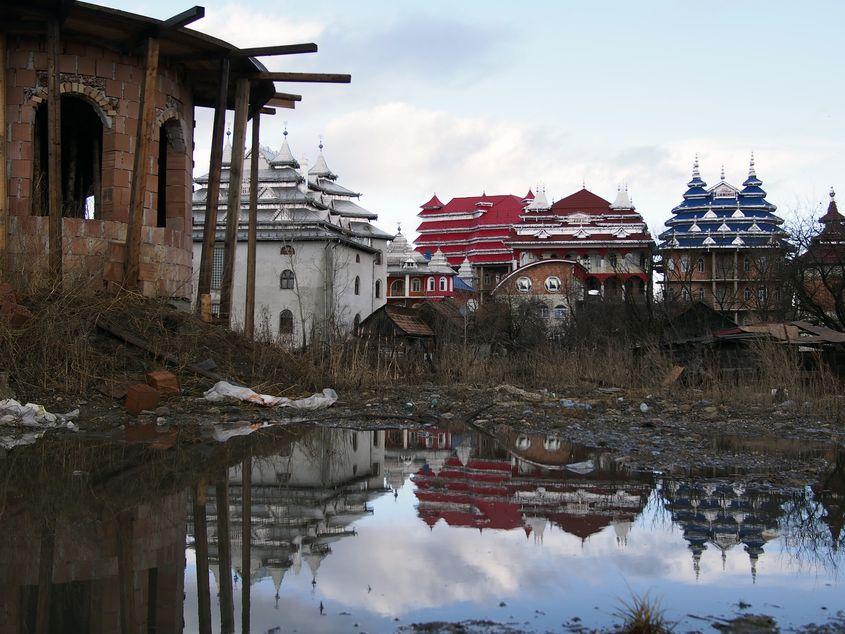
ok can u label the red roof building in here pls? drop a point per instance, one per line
(610, 240)
(472, 228)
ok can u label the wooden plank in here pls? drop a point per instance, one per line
(233, 202)
(249, 307)
(281, 103)
(284, 49)
(224, 552)
(54, 151)
(45, 580)
(201, 552)
(126, 572)
(287, 96)
(246, 541)
(183, 19)
(214, 169)
(267, 111)
(4, 205)
(309, 78)
(141, 166)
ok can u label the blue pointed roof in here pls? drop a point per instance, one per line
(723, 216)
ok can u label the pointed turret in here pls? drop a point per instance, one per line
(465, 272)
(284, 157)
(751, 186)
(832, 216)
(696, 180)
(321, 168)
(433, 204)
(539, 202)
(623, 201)
(528, 197)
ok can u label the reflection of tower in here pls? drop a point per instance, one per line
(622, 528)
(537, 526)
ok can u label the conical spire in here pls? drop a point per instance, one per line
(696, 181)
(465, 271)
(284, 157)
(722, 174)
(321, 168)
(832, 215)
(752, 180)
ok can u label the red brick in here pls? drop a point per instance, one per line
(67, 63)
(163, 381)
(24, 77)
(86, 65)
(105, 68)
(139, 397)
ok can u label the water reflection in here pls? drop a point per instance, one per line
(321, 529)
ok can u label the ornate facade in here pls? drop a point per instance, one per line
(412, 277)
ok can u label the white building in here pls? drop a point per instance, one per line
(320, 268)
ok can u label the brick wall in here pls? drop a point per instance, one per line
(111, 84)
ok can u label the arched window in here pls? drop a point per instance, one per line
(397, 288)
(613, 260)
(356, 323)
(701, 294)
(701, 265)
(430, 284)
(747, 294)
(357, 258)
(443, 284)
(762, 294)
(685, 263)
(746, 264)
(286, 280)
(416, 285)
(686, 294)
(378, 289)
(82, 159)
(560, 311)
(287, 250)
(357, 285)
(286, 322)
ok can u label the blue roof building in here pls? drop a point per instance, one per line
(724, 245)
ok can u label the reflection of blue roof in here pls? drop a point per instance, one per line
(460, 285)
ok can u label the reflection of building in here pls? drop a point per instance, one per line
(724, 516)
(610, 241)
(724, 246)
(518, 482)
(303, 501)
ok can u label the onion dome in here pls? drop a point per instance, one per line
(284, 157)
(321, 168)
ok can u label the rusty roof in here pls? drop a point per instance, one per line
(407, 320)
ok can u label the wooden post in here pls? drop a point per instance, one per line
(233, 202)
(126, 572)
(224, 556)
(45, 581)
(201, 552)
(246, 542)
(4, 205)
(215, 167)
(249, 309)
(54, 150)
(141, 166)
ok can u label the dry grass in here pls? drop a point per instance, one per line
(643, 615)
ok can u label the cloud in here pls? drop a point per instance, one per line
(246, 27)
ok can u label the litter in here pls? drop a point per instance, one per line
(223, 390)
(221, 434)
(581, 468)
(32, 416)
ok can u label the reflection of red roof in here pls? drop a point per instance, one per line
(583, 201)
(581, 525)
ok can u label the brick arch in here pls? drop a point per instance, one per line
(175, 134)
(96, 99)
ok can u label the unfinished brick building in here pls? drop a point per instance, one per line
(90, 98)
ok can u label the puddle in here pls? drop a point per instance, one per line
(375, 530)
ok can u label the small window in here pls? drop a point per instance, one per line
(642, 261)
(416, 285)
(287, 250)
(357, 258)
(356, 323)
(685, 264)
(430, 284)
(746, 264)
(523, 442)
(552, 443)
(378, 257)
(762, 294)
(357, 285)
(378, 289)
(671, 264)
(286, 322)
(701, 294)
(354, 441)
(560, 311)
(375, 439)
(613, 260)
(747, 294)
(286, 280)
(523, 284)
(443, 283)
(585, 262)
(701, 265)
(686, 294)
(543, 311)
(553, 284)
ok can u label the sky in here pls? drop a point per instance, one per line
(460, 98)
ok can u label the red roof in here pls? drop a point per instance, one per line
(832, 214)
(583, 201)
(529, 195)
(434, 203)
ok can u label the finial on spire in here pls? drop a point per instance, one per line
(399, 227)
(286, 129)
(695, 172)
(722, 175)
(832, 193)
(321, 143)
(751, 172)
(228, 133)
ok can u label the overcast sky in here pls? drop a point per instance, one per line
(463, 97)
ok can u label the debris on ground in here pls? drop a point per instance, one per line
(223, 390)
(24, 424)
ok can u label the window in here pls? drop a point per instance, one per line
(523, 284)
(397, 288)
(552, 443)
(356, 323)
(747, 294)
(357, 285)
(686, 294)
(378, 289)
(642, 261)
(746, 264)
(416, 285)
(701, 294)
(762, 294)
(443, 283)
(523, 442)
(287, 250)
(613, 260)
(701, 265)
(215, 309)
(357, 258)
(553, 284)
(671, 264)
(560, 311)
(286, 280)
(378, 257)
(430, 284)
(685, 263)
(543, 311)
(375, 439)
(217, 268)
(585, 261)
(354, 441)
(286, 322)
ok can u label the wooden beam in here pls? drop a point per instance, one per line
(287, 96)
(249, 307)
(224, 556)
(309, 78)
(214, 170)
(270, 111)
(282, 103)
(141, 166)
(45, 580)
(201, 553)
(246, 541)
(233, 202)
(183, 19)
(4, 188)
(54, 151)
(284, 49)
